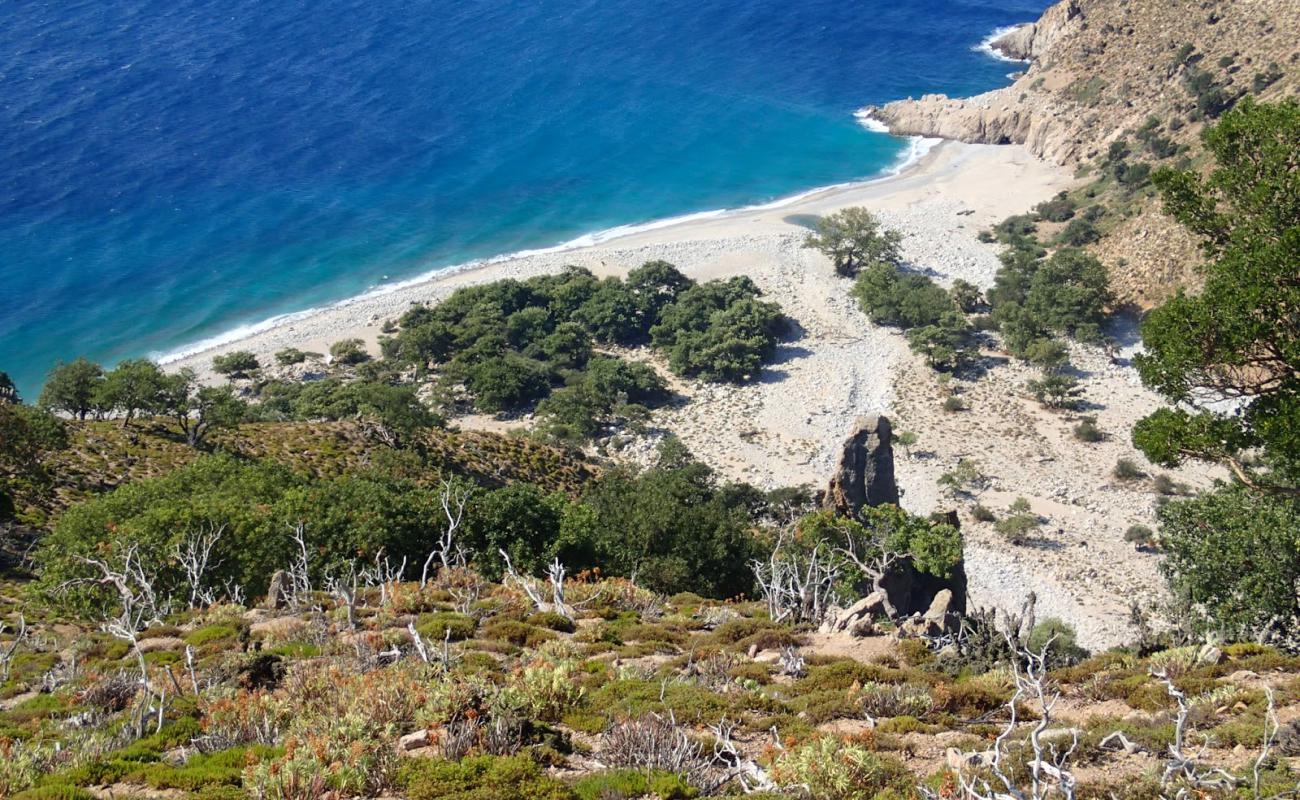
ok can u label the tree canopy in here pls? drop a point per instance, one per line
(1238, 338)
(854, 238)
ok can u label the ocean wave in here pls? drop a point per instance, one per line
(917, 148)
(986, 45)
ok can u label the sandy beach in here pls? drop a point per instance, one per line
(787, 428)
(971, 178)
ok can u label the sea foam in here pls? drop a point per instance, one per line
(986, 44)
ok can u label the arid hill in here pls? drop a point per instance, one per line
(1147, 73)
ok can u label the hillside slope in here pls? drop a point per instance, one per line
(1104, 71)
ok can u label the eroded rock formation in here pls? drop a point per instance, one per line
(865, 476)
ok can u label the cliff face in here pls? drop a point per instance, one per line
(1098, 68)
(1097, 72)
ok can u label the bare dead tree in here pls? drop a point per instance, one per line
(1182, 767)
(465, 586)
(194, 552)
(344, 592)
(299, 571)
(452, 499)
(1049, 771)
(792, 662)
(527, 584)
(233, 591)
(555, 573)
(797, 585)
(1271, 728)
(139, 605)
(384, 575)
(7, 652)
(442, 659)
(735, 765)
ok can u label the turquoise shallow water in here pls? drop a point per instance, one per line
(174, 170)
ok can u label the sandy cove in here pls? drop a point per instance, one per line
(787, 428)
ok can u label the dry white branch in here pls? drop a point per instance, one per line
(194, 552)
(449, 553)
(8, 651)
(797, 585)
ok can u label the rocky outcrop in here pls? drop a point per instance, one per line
(865, 476)
(1005, 116)
(1033, 40)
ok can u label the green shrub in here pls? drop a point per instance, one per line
(209, 634)
(552, 621)
(1087, 430)
(1126, 469)
(437, 625)
(983, 513)
(1059, 209)
(349, 352)
(480, 778)
(1064, 649)
(289, 356)
(832, 769)
(517, 633)
(55, 791)
(1140, 535)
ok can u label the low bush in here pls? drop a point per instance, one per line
(1126, 469)
(481, 778)
(436, 626)
(1087, 430)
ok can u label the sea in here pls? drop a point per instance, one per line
(175, 173)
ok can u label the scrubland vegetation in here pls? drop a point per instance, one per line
(306, 589)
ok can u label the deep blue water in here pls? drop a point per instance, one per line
(171, 169)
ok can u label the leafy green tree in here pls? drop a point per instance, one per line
(1057, 391)
(27, 435)
(71, 387)
(966, 295)
(349, 352)
(136, 386)
(236, 364)
(853, 238)
(1239, 337)
(566, 347)
(946, 344)
(611, 314)
(199, 409)
(1069, 294)
(672, 526)
(521, 519)
(507, 382)
(890, 296)
(654, 286)
(1232, 557)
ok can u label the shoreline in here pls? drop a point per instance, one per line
(912, 158)
(974, 173)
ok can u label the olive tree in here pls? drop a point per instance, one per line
(853, 238)
(71, 387)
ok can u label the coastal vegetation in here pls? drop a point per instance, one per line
(303, 585)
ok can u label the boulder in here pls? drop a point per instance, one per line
(939, 606)
(1209, 654)
(275, 593)
(413, 741)
(865, 475)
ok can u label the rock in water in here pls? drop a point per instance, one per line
(865, 476)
